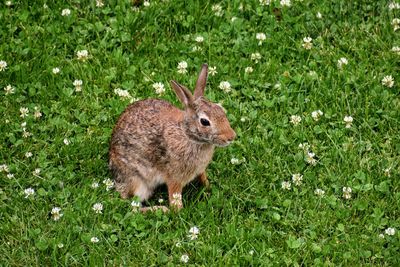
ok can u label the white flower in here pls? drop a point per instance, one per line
(10, 175)
(78, 85)
(136, 205)
(396, 24)
(182, 67)
(60, 245)
(29, 192)
(9, 3)
(248, 70)
(196, 48)
(56, 70)
(108, 183)
(348, 120)
(199, 39)
(56, 213)
(184, 258)
(66, 142)
(99, 3)
(124, 94)
(316, 114)
(396, 49)
(285, 3)
(28, 154)
(394, 5)
(297, 179)
(25, 133)
(212, 70)
(277, 86)
(3, 65)
(304, 146)
(160, 200)
(98, 207)
(318, 15)
(24, 112)
(381, 236)
(341, 62)
(37, 114)
(65, 12)
(310, 158)
(176, 200)
(265, 2)
(286, 185)
(159, 87)
(146, 3)
(94, 239)
(235, 161)
(193, 233)
(255, 57)
(387, 172)
(295, 119)
(4, 168)
(225, 86)
(36, 172)
(388, 81)
(307, 43)
(261, 37)
(319, 192)
(82, 55)
(390, 231)
(94, 185)
(346, 192)
(217, 9)
(9, 90)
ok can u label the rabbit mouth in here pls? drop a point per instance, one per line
(222, 143)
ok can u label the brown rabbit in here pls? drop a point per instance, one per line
(154, 143)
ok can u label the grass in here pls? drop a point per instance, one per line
(247, 219)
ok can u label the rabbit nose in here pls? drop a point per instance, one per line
(231, 137)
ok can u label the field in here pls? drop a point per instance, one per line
(310, 87)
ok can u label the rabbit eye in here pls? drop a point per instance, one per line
(204, 122)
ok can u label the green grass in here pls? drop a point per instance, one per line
(247, 219)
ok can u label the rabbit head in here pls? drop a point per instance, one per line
(204, 122)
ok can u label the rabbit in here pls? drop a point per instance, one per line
(154, 143)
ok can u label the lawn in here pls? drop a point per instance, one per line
(310, 87)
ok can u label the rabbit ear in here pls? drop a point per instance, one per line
(184, 95)
(201, 82)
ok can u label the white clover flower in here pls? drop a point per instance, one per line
(10, 175)
(388, 81)
(348, 120)
(56, 70)
(66, 141)
(29, 192)
(37, 114)
(108, 183)
(94, 239)
(78, 85)
(159, 87)
(146, 3)
(9, 3)
(65, 12)
(295, 119)
(225, 86)
(212, 70)
(310, 158)
(136, 205)
(94, 185)
(176, 200)
(285, 3)
(318, 15)
(56, 213)
(387, 172)
(99, 3)
(98, 207)
(248, 70)
(297, 178)
(9, 90)
(24, 112)
(396, 49)
(60, 245)
(197, 48)
(396, 24)
(4, 168)
(182, 67)
(286, 185)
(394, 5)
(317, 114)
(3, 65)
(265, 2)
(217, 9)
(307, 43)
(277, 86)
(381, 236)
(124, 94)
(82, 55)
(28, 154)
(184, 258)
(36, 172)
(255, 57)
(160, 200)
(319, 192)
(193, 233)
(304, 146)
(390, 231)
(346, 192)
(235, 161)
(25, 133)
(199, 39)
(341, 62)
(261, 37)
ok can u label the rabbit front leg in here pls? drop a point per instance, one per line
(204, 180)
(175, 195)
